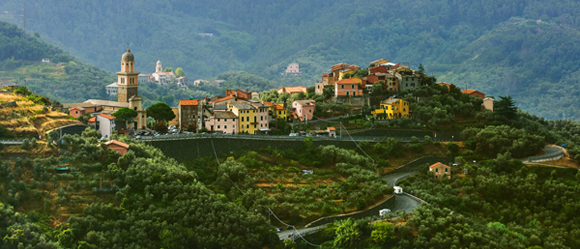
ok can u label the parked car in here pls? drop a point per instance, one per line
(308, 172)
(279, 229)
(293, 134)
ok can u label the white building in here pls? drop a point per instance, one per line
(161, 77)
(105, 125)
(112, 89)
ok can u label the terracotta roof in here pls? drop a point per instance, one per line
(325, 74)
(396, 66)
(331, 129)
(470, 91)
(339, 66)
(346, 81)
(294, 89)
(78, 108)
(70, 105)
(269, 104)
(124, 145)
(437, 164)
(93, 119)
(188, 102)
(107, 116)
(222, 99)
(279, 107)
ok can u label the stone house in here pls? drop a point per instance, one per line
(440, 170)
(222, 122)
(187, 113)
(475, 93)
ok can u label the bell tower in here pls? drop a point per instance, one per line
(127, 79)
(158, 68)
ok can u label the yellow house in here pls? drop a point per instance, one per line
(378, 62)
(281, 112)
(247, 116)
(343, 72)
(392, 108)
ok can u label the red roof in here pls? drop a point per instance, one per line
(331, 129)
(325, 74)
(437, 164)
(92, 120)
(222, 99)
(469, 91)
(124, 145)
(339, 66)
(188, 102)
(279, 107)
(396, 66)
(269, 104)
(107, 116)
(346, 81)
(379, 69)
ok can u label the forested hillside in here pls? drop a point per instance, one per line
(522, 48)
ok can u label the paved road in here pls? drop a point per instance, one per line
(11, 142)
(403, 202)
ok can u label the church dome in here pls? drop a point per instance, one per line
(128, 56)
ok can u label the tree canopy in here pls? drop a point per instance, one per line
(125, 114)
(160, 112)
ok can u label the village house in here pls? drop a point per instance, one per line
(222, 101)
(293, 68)
(331, 131)
(105, 124)
(117, 146)
(239, 93)
(292, 89)
(347, 88)
(222, 122)
(187, 113)
(304, 109)
(440, 170)
(76, 111)
(475, 93)
(7, 84)
(445, 85)
(488, 104)
(88, 107)
(378, 62)
(247, 116)
(262, 117)
(392, 108)
(183, 83)
(112, 89)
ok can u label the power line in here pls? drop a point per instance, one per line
(269, 210)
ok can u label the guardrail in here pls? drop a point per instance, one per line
(416, 198)
(10, 141)
(547, 157)
(271, 137)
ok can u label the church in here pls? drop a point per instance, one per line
(127, 96)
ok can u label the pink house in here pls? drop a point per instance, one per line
(222, 122)
(304, 109)
(76, 111)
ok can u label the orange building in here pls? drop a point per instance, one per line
(347, 88)
(474, 93)
(117, 146)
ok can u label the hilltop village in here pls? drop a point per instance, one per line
(373, 89)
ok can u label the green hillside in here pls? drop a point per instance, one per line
(489, 45)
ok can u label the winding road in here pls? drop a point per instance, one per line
(402, 202)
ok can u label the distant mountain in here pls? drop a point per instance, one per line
(458, 41)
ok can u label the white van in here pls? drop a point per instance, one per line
(398, 190)
(383, 212)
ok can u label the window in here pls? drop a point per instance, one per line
(76, 112)
(436, 170)
(225, 126)
(218, 126)
(300, 111)
(247, 126)
(352, 86)
(242, 119)
(406, 84)
(218, 119)
(234, 126)
(341, 86)
(255, 119)
(254, 111)
(353, 93)
(310, 110)
(261, 125)
(261, 118)
(404, 109)
(225, 120)
(446, 170)
(212, 127)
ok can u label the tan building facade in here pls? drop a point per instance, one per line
(440, 170)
